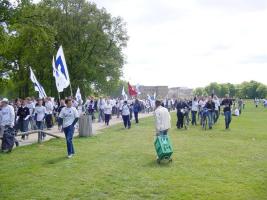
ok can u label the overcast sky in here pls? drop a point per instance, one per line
(193, 42)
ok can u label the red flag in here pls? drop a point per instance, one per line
(131, 90)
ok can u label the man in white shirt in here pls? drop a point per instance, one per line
(7, 116)
(162, 119)
(69, 115)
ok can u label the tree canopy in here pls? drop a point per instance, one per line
(30, 34)
(248, 90)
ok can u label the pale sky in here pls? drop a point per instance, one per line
(193, 42)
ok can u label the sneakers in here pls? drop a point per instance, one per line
(70, 156)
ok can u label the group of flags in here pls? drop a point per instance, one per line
(60, 72)
(62, 79)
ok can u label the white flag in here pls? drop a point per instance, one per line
(149, 97)
(137, 88)
(59, 78)
(78, 96)
(62, 69)
(37, 85)
(124, 94)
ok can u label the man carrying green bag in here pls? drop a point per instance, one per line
(163, 124)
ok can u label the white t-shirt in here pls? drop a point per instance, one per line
(194, 105)
(49, 107)
(68, 115)
(125, 110)
(7, 116)
(108, 109)
(217, 104)
(40, 111)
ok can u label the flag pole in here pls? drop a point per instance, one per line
(71, 90)
(58, 96)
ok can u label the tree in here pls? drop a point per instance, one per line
(213, 88)
(199, 92)
(92, 39)
(261, 91)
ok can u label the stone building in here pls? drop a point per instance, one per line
(161, 91)
(180, 92)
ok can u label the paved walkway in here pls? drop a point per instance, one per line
(33, 138)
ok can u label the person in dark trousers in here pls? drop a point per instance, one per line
(23, 116)
(210, 105)
(227, 103)
(58, 110)
(136, 110)
(69, 115)
(194, 109)
(126, 115)
(180, 114)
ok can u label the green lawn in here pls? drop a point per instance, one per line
(120, 164)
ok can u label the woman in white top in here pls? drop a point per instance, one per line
(39, 115)
(194, 110)
(107, 112)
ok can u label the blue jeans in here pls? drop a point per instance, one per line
(194, 119)
(69, 131)
(101, 116)
(126, 121)
(40, 126)
(210, 118)
(228, 118)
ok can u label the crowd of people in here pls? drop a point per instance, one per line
(32, 114)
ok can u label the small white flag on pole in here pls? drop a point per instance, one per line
(124, 94)
(78, 96)
(137, 87)
(37, 85)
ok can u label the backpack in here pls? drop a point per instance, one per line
(8, 140)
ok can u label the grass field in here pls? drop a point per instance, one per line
(120, 164)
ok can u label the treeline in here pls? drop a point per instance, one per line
(246, 90)
(30, 34)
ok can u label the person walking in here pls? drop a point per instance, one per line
(181, 105)
(126, 115)
(107, 112)
(240, 105)
(162, 119)
(210, 105)
(101, 105)
(23, 116)
(69, 116)
(7, 116)
(216, 110)
(227, 103)
(39, 116)
(136, 110)
(49, 113)
(194, 110)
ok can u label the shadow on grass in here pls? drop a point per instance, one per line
(154, 164)
(55, 160)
